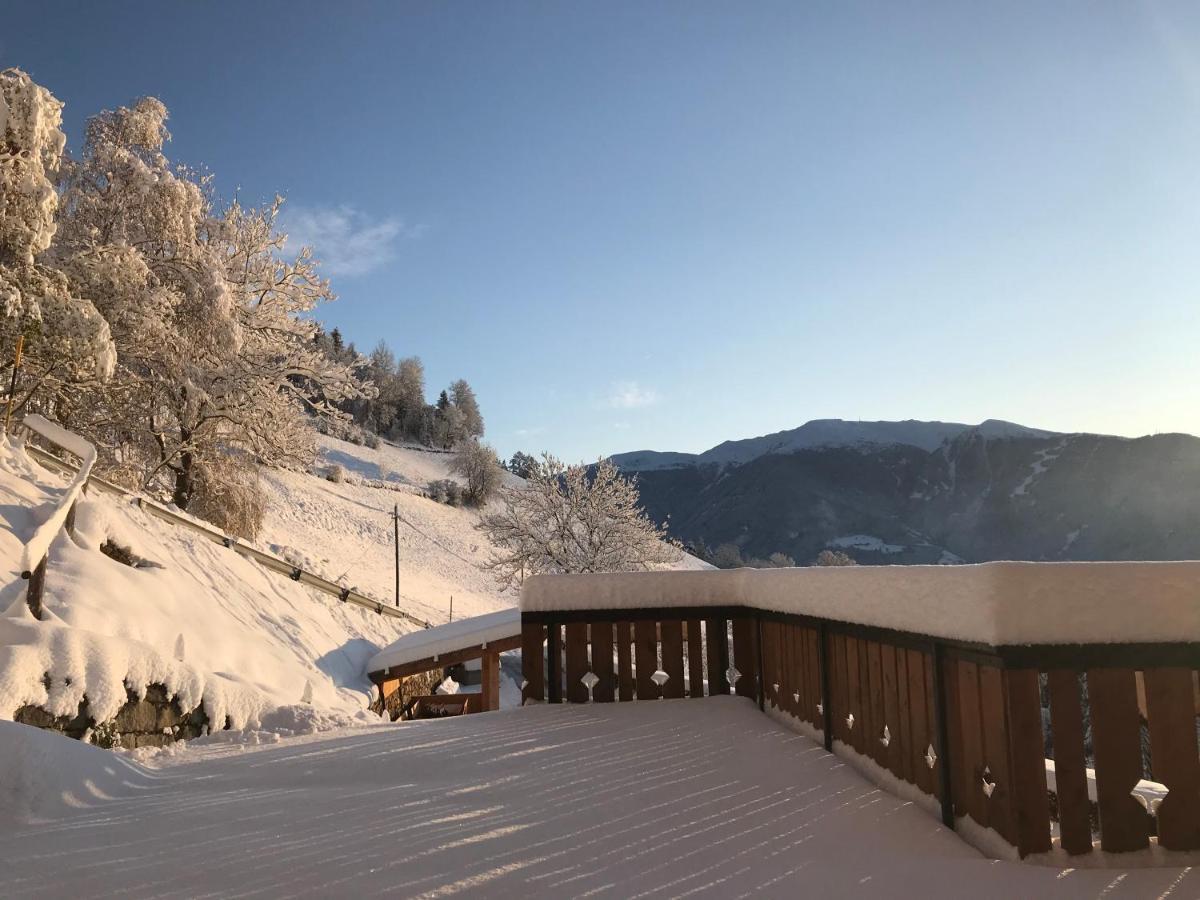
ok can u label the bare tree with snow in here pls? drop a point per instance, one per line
(574, 518)
(215, 349)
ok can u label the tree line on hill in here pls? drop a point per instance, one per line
(398, 409)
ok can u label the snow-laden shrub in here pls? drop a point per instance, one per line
(335, 473)
(372, 440)
(229, 494)
(477, 463)
(105, 735)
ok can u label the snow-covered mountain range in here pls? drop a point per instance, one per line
(913, 492)
(826, 433)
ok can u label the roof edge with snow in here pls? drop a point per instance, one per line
(443, 639)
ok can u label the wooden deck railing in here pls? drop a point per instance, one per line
(961, 723)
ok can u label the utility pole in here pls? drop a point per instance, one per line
(396, 533)
(451, 607)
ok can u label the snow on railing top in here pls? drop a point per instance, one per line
(998, 604)
(442, 639)
(38, 545)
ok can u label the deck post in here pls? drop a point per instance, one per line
(554, 662)
(941, 734)
(826, 688)
(489, 686)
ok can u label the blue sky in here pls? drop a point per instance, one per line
(664, 225)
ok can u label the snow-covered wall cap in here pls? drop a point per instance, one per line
(443, 639)
(997, 603)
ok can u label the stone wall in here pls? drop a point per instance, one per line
(153, 721)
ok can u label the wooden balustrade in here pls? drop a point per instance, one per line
(967, 725)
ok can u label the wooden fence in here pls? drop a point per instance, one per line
(962, 723)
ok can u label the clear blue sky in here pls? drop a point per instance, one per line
(635, 225)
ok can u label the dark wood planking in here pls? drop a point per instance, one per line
(645, 658)
(554, 658)
(624, 662)
(1171, 714)
(837, 686)
(971, 761)
(1116, 746)
(1070, 762)
(813, 658)
(891, 705)
(695, 658)
(716, 642)
(993, 716)
(533, 663)
(577, 662)
(1027, 750)
(672, 658)
(918, 719)
(854, 696)
(930, 727)
(952, 704)
(903, 720)
(745, 656)
(872, 709)
(878, 714)
(602, 662)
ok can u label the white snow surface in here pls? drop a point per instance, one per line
(250, 640)
(442, 639)
(671, 798)
(994, 603)
(867, 542)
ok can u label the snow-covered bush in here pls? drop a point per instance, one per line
(335, 473)
(834, 558)
(371, 440)
(228, 493)
(105, 735)
(436, 490)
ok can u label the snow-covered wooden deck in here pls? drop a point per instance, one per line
(668, 799)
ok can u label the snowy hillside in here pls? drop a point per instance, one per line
(346, 529)
(208, 623)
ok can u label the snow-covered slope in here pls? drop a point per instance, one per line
(345, 531)
(210, 624)
(826, 433)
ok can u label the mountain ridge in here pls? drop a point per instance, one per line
(927, 435)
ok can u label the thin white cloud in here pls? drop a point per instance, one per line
(346, 240)
(530, 432)
(630, 395)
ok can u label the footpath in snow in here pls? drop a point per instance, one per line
(669, 799)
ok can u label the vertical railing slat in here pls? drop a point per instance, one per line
(695, 658)
(554, 662)
(745, 656)
(602, 662)
(1117, 748)
(672, 657)
(716, 643)
(577, 661)
(624, 662)
(1031, 803)
(1171, 712)
(1070, 762)
(918, 731)
(645, 657)
(533, 635)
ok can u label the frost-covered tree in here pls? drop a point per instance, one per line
(477, 463)
(215, 349)
(834, 558)
(67, 341)
(463, 399)
(573, 519)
